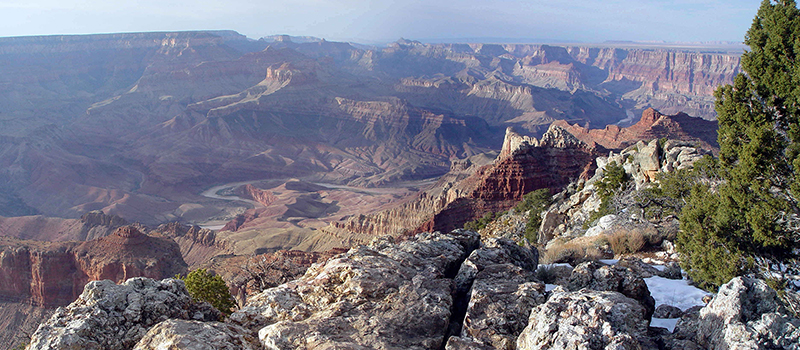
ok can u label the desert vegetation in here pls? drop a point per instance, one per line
(208, 287)
(749, 223)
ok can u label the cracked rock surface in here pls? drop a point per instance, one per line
(111, 316)
(380, 296)
(586, 319)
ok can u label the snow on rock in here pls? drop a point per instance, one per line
(745, 314)
(604, 224)
(676, 293)
(668, 323)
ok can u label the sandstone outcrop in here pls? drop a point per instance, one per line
(500, 299)
(642, 162)
(197, 245)
(430, 291)
(91, 225)
(248, 275)
(495, 290)
(53, 274)
(652, 125)
(111, 316)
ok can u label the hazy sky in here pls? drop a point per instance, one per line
(383, 21)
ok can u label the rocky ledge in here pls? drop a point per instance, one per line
(432, 291)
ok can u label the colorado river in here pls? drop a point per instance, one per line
(213, 193)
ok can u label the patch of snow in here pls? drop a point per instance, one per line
(609, 261)
(549, 287)
(668, 323)
(677, 293)
(658, 267)
(556, 265)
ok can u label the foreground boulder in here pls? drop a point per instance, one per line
(745, 314)
(195, 335)
(596, 276)
(499, 305)
(586, 320)
(111, 316)
(496, 289)
(382, 296)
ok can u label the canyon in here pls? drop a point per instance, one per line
(138, 124)
(144, 154)
(565, 153)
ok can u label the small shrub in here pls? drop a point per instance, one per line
(203, 286)
(535, 202)
(661, 142)
(574, 252)
(566, 253)
(627, 241)
(481, 223)
(614, 180)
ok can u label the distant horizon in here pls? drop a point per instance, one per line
(369, 21)
(465, 40)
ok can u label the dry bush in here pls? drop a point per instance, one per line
(625, 241)
(575, 251)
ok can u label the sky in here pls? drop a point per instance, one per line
(368, 21)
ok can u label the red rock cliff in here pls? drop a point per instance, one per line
(652, 125)
(53, 273)
(525, 164)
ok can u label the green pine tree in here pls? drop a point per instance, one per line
(726, 229)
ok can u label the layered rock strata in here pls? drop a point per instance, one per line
(652, 125)
(53, 274)
(197, 245)
(91, 225)
(524, 164)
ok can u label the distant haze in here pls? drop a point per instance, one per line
(370, 21)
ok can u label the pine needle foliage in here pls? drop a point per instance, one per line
(752, 215)
(203, 286)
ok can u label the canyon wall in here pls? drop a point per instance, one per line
(669, 80)
(565, 152)
(51, 274)
(525, 164)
